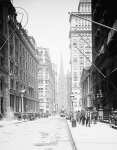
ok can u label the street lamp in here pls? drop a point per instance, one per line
(22, 99)
(99, 98)
(100, 109)
(72, 102)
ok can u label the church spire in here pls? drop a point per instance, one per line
(61, 87)
(61, 69)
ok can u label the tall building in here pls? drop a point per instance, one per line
(55, 106)
(87, 90)
(80, 46)
(18, 65)
(46, 82)
(69, 103)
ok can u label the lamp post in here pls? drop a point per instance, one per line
(72, 103)
(22, 99)
(100, 108)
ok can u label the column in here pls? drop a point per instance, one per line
(22, 103)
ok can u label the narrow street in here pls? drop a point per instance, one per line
(58, 75)
(42, 134)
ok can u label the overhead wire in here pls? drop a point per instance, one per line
(90, 61)
(104, 76)
(100, 24)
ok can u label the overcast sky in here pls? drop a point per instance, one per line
(49, 24)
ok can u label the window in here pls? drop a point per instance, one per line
(11, 84)
(16, 70)
(75, 60)
(81, 60)
(11, 67)
(17, 85)
(1, 84)
(21, 74)
(1, 61)
(11, 44)
(17, 104)
(75, 76)
(1, 18)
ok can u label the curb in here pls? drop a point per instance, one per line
(11, 123)
(72, 140)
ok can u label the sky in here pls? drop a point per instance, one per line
(48, 23)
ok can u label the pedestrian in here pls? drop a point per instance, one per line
(95, 118)
(71, 116)
(88, 119)
(83, 119)
(78, 117)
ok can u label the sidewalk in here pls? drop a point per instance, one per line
(97, 137)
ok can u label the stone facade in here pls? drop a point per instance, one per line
(80, 46)
(46, 82)
(18, 64)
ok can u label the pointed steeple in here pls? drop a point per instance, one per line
(61, 69)
(61, 87)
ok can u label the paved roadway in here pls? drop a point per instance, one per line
(42, 134)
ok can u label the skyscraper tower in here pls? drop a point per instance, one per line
(80, 46)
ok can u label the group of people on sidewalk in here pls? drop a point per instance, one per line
(84, 118)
